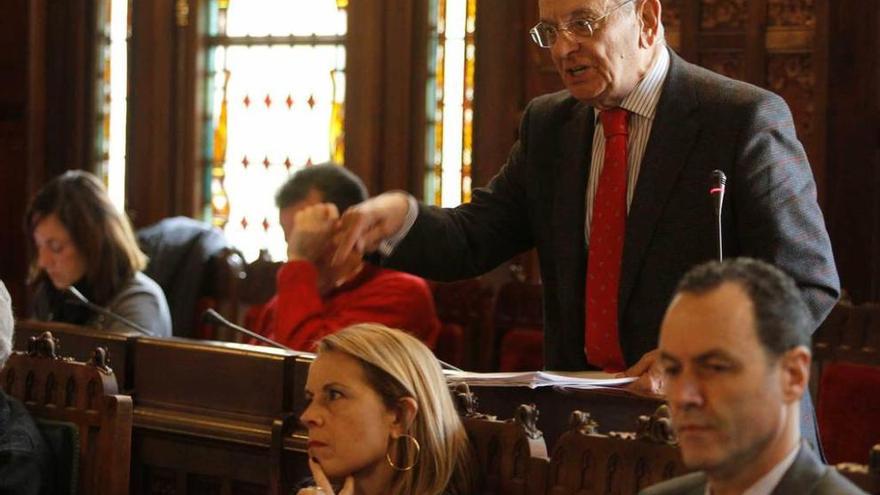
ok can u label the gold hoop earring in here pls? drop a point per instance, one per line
(418, 449)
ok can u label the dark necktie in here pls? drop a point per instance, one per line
(605, 250)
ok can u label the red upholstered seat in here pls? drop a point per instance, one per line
(849, 411)
(464, 305)
(450, 344)
(522, 349)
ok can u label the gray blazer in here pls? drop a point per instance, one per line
(806, 476)
(141, 301)
(704, 121)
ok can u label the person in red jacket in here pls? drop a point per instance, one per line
(313, 298)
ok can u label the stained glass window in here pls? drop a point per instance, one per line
(112, 96)
(450, 91)
(275, 91)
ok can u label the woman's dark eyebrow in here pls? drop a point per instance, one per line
(330, 385)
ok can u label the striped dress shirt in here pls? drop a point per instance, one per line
(642, 105)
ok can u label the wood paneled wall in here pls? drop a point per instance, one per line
(387, 74)
(47, 112)
(16, 139)
(852, 209)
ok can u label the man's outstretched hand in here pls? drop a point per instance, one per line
(364, 226)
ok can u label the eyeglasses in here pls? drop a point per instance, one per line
(545, 35)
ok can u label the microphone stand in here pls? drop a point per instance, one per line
(720, 238)
(83, 301)
(211, 316)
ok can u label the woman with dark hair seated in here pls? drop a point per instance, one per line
(80, 239)
(381, 419)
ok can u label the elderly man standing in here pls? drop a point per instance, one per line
(735, 357)
(24, 456)
(609, 180)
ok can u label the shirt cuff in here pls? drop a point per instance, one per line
(387, 246)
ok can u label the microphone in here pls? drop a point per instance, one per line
(80, 299)
(211, 316)
(719, 182)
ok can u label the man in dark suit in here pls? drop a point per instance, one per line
(683, 122)
(735, 357)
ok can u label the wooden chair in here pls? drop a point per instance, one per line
(224, 271)
(84, 396)
(80, 342)
(846, 352)
(466, 303)
(255, 288)
(588, 462)
(196, 268)
(511, 455)
(518, 322)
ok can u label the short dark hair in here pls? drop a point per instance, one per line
(782, 318)
(101, 233)
(336, 184)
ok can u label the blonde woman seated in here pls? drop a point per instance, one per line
(381, 420)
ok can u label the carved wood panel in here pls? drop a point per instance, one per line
(792, 76)
(718, 15)
(671, 14)
(729, 64)
(792, 13)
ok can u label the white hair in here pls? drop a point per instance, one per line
(7, 324)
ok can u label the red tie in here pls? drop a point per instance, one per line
(606, 248)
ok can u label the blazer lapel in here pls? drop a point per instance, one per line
(572, 172)
(805, 471)
(672, 136)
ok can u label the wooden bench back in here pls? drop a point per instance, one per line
(84, 394)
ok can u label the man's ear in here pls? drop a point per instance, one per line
(795, 369)
(649, 14)
(405, 413)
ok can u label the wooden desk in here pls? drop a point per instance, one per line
(216, 417)
(211, 414)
